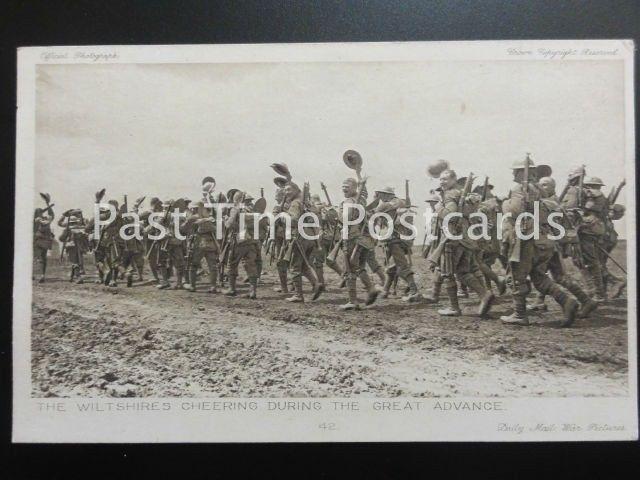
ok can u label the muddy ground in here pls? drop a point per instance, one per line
(89, 340)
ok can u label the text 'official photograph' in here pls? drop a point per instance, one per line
(331, 228)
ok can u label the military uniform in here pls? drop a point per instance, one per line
(202, 244)
(456, 258)
(42, 239)
(299, 249)
(75, 243)
(356, 248)
(530, 258)
(245, 250)
(396, 249)
(329, 237)
(587, 209)
(132, 254)
(113, 245)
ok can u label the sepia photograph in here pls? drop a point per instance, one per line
(402, 221)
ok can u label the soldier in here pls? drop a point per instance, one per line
(530, 257)
(455, 258)
(396, 249)
(587, 208)
(555, 267)
(151, 247)
(113, 245)
(329, 236)
(202, 243)
(610, 240)
(132, 252)
(300, 249)
(170, 250)
(42, 238)
(242, 248)
(279, 241)
(75, 242)
(489, 249)
(430, 242)
(357, 244)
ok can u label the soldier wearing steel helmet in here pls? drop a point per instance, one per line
(200, 228)
(113, 244)
(300, 249)
(527, 256)
(587, 207)
(151, 247)
(555, 266)
(357, 242)
(244, 245)
(329, 236)
(612, 283)
(453, 258)
(395, 247)
(75, 241)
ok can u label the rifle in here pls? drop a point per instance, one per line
(611, 258)
(164, 221)
(406, 193)
(613, 196)
(485, 188)
(580, 187)
(326, 194)
(261, 192)
(564, 192)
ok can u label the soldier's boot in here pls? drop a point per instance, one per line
(519, 315)
(592, 285)
(538, 305)
(487, 298)
(164, 282)
(454, 308)
(352, 304)
(154, 272)
(434, 296)
(231, 291)
(617, 287)
(320, 287)
(297, 297)
(463, 291)
(386, 289)
(140, 271)
(569, 305)
(343, 282)
(72, 274)
(587, 305)
(253, 288)
(129, 279)
(213, 280)
(412, 295)
(193, 276)
(179, 277)
(282, 276)
(372, 290)
(114, 277)
(381, 276)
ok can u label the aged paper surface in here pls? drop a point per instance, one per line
(125, 338)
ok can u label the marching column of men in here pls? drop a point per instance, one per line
(457, 260)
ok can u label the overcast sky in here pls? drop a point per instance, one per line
(156, 130)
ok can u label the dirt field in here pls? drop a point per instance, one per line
(88, 340)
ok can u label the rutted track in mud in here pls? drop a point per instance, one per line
(89, 341)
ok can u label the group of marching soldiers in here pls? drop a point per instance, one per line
(458, 263)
